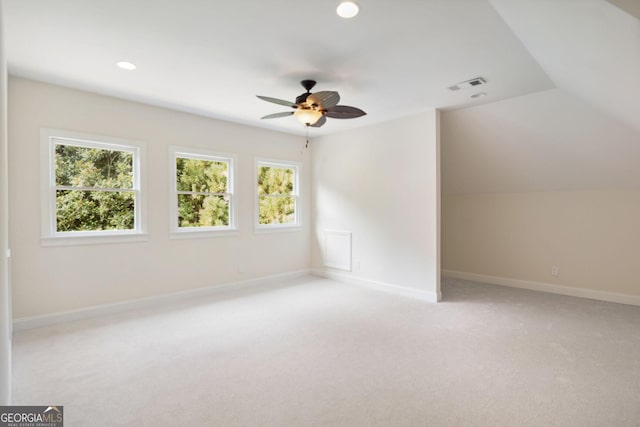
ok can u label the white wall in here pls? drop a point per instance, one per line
(5, 294)
(382, 184)
(55, 279)
(539, 181)
(593, 237)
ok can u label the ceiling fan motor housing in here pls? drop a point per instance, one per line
(302, 98)
(307, 85)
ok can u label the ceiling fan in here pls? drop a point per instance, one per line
(312, 109)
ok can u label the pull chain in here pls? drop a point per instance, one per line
(307, 133)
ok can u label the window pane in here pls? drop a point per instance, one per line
(93, 167)
(273, 180)
(199, 210)
(78, 210)
(277, 210)
(204, 176)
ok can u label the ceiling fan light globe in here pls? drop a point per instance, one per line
(307, 116)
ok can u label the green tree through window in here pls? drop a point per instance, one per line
(94, 189)
(203, 192)
(277, 198)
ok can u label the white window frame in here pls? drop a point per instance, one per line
(289, 164)
(201, 154)
(49, 138)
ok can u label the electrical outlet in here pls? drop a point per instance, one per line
(554, 271)
(241, 268)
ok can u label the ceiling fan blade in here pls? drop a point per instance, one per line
(277, 101)
(324, 100)
(344, 112)
(322, 120)
(277, 115)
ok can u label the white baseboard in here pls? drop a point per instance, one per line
(546, 287)
(24, 323)
(381, 286)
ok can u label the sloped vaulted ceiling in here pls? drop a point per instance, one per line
(547, 141)
(630, 6)
(589, 48)
(583, 135)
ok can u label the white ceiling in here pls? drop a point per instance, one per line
(212, 57)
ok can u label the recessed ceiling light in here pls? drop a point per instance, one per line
(479, 95)
(126, 65)
(347, 9)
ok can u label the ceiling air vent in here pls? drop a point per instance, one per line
(468, 83)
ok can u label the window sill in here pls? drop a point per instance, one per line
(94, 240)
(277, 229)
(203, 234)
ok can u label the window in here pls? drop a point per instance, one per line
(277, 194)
(202, 191)
(91, 186)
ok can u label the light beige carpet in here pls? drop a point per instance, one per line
(314, 352)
